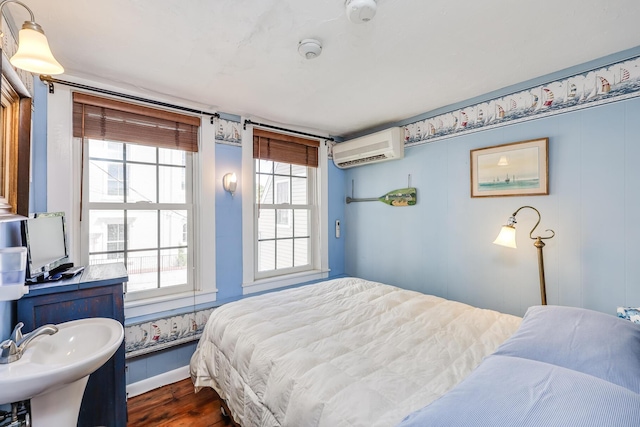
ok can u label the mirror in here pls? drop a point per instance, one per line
(15, 150)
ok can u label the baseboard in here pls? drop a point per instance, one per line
(140, 387)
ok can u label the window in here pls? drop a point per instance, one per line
(139, 190)
(143, 224)
(285, 205)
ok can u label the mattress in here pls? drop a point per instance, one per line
(345, 352)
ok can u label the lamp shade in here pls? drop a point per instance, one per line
(507, 237)
(230, 182)
(34, 54)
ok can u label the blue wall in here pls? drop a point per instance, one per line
(228, 225)
(443, 245)
(38, 185)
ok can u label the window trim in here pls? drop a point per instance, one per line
(320, 251)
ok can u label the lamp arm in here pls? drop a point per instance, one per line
(553, 233)
(21, 4)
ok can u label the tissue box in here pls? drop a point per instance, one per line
(13, 263)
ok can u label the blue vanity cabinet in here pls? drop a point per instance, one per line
(97, 292)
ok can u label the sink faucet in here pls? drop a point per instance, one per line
(13, 348)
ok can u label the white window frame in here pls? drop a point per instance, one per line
(87, 206)
(252, 282)
(310, 207)
(63, 194)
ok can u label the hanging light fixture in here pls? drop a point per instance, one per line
(34, 54)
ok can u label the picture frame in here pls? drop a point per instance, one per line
(514, 169)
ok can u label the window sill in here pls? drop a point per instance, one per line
(271, 283)
(148, 306)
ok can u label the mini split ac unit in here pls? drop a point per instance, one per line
(377, 147)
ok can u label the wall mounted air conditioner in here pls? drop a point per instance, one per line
(377, 147)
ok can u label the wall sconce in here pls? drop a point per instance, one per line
(230, 183)
(34, 54)
(507, 237)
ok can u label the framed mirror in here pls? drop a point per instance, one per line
(15, 150)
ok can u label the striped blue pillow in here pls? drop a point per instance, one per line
(583, 340)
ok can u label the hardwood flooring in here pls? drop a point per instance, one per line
(176, 405)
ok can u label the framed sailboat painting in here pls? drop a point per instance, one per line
(515, 169)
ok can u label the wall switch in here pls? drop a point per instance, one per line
(337, 228)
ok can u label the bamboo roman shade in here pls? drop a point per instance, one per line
(101, 118)
(285, 148)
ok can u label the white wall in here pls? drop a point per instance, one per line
(443, 245)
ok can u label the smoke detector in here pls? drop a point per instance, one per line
(359, 11)
(309, 48)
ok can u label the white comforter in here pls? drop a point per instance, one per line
(345, 352)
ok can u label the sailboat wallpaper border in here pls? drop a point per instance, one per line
(515, 169)
(596, 87)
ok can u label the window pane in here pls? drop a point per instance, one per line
(172, 184)
(173, 267)
(105, 149)
(142, 268)
(266, 255)
(282, 190)
(143, 229)
(285, 253)
(172, 228)
(104, 228)
(141, 153)
(267, 224)
(106, 258)
(297, 170)
(284, 222)
(299, 191)
(107, 181)
(281, 168)
(264, 166)
(171, 157)
(301, 222)
(264, 188)
(301, 251)
(141, 183)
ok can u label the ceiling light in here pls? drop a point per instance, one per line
(34, 54)
(309, 48)
(359, 11)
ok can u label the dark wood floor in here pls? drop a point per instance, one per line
(176, 405)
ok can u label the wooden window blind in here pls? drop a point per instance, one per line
(285, 148)
(101, 118)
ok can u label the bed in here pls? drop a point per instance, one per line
(345, 352)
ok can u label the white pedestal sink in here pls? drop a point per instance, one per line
(54, 369)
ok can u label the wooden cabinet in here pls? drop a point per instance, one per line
(98, 292)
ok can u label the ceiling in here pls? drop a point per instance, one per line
(241, 57)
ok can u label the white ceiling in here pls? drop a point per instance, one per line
(240, 56)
